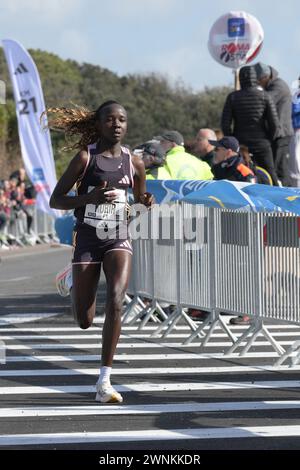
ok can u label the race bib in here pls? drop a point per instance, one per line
(108, 214)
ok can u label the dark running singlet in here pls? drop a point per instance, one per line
(103, 227)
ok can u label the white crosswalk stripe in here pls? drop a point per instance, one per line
(148, 435)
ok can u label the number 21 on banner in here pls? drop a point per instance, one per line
(27, 105)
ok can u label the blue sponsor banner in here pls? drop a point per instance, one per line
(236, 27)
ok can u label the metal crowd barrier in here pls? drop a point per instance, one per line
(240, 263)
(43, 226)
(42, 229)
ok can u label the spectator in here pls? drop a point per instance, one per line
(17, 197)
(180, 164)
(279, 91)
(19, 175)
(247, 157)
(189, 146)
(4, 210)
(203, 148)
(250, 115)
(154, 158)
(6, 188)
(294, 162)
(229, 165)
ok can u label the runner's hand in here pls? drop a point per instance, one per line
(147, 199)
(112, 194)
(97, 195)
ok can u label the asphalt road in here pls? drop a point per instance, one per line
(175, 397)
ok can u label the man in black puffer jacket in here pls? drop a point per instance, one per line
(250, 115)
(279, 91)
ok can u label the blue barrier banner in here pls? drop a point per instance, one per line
(228, 195)
(64, 228)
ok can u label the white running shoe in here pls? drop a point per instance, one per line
(63, 281)
(107, 394)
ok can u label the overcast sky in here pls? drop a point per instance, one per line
(142, 36)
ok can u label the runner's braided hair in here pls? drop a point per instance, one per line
(77, 121)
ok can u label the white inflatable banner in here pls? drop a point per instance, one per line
(235, 39)
(35, 142)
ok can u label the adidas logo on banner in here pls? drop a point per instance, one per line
(21, 69)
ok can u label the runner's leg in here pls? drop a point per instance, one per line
(116, 266)
(84, 291)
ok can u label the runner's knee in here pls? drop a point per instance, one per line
(84, 320)
(115, 299)
(84, 324)
(114, 307)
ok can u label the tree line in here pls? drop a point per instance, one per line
(153, 104)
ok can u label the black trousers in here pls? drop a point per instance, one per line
(263, 156)
(281, 156)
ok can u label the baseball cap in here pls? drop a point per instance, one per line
(173, 136)
(228, 142)
(154, 149)
(262, 70)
